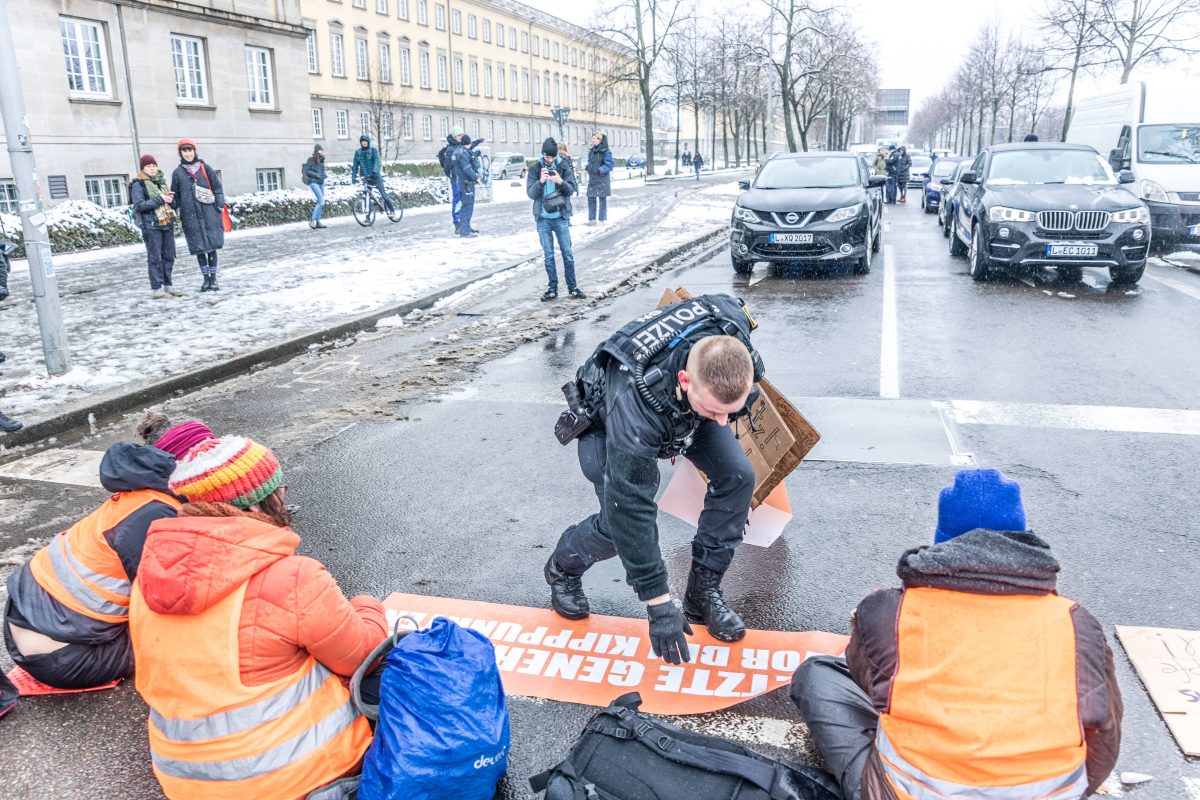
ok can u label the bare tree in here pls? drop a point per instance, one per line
(386, 109)
(1149, 31)
(1073, 43)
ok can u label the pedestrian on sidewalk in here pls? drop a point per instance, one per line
(687, 158)
(599, 169)
(880, 162)
(936, 695)
(368, 163)
(199, 200)
(445, 157)
(903, 172)
(225, 615)
(314, 176)
(550, 184)
(466, 176)
(155, 216)
(890, 161)
(67, 618)
(697, 162)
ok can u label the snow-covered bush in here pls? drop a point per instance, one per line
(78, 225)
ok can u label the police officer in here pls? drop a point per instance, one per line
(664, 385)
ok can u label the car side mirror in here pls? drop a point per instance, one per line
(1126, 176)
(744, 185)
(946, 182)
(1117, 159)
(968, 177)
(875, 181)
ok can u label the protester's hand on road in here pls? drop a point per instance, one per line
(667, 629)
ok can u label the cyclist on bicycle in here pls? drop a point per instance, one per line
(366, 160)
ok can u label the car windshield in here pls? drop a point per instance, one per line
(1169, 144)
(942, 168)
(808, 173)
(921, 162)
(1048, 166)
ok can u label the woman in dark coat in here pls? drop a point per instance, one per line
(154, 214)
(599, 170)
(193, 183)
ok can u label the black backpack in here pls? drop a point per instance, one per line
(623, 755)
(443, 157)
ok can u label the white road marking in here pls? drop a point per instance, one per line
(1179, 286)
(75, 467)
(889, 349)
(1193, 787)
(957, 457)
(1124, 419)
(762, 276)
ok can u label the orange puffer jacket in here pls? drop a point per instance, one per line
(292, 607)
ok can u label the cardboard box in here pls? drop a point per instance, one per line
(1168, 662)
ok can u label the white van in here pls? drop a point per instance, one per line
(1155, 132)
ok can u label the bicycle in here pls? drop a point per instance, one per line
(370, 201)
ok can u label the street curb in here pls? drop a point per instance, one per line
(118, 403)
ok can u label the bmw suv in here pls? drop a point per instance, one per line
(1056, 205)
(811, 208)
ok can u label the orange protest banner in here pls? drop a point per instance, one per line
(594, 660)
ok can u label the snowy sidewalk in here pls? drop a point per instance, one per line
(284, 284)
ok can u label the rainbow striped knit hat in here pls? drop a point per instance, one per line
(231, 469)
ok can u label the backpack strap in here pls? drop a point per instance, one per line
(370, 710)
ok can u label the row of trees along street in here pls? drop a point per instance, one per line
(1014, 83)
(805, 63)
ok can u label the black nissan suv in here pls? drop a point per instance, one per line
(1049, 204)
(810, 208)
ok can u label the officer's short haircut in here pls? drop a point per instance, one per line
(722, 365)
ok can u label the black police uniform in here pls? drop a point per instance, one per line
(639, 416)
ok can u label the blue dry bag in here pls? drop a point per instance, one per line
(443, 723)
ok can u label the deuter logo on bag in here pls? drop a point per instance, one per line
(488, 761)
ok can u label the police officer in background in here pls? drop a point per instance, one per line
(664, 385)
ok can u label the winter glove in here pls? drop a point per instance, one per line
(667, 627)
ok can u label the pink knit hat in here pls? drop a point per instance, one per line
(183, 437)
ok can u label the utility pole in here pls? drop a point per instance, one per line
(33, 221)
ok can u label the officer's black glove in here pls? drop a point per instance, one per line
(667, 627)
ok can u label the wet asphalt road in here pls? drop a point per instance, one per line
(453, 485)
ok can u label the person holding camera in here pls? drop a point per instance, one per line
(550, 186)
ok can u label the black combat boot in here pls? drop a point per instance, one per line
(566, 591)
(10, 425)
(704, 603)
(207, 285)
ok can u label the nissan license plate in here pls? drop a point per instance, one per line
(1193, 230)
(791, 238)
(1072, 250)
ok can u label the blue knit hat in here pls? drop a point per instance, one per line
(979, 498)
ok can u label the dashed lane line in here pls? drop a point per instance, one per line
(1120, 419)
(889, 349)
(1177, 285)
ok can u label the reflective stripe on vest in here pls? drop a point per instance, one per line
(75, 576)
(915, 784)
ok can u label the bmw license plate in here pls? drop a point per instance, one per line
(1193, 230)
(1071, 249)
(791, 238)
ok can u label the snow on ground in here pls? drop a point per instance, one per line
(120, 338)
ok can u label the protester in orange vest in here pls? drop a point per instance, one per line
(241, 645)
(66, 620)
(974, 680)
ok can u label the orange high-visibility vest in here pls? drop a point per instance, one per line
(984, 703)
(81, 570)
(214, 738)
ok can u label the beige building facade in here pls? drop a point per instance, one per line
(408, 71)
(107, 80)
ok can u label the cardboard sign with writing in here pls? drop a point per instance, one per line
(595, 660)
(1168, 662)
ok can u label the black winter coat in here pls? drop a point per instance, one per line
(599, 170)
(144, 207)
(533, 186)
(314, 171)
(202, 225)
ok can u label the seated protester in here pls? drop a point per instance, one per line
(66, 620)
(241, 645)
(976, 679)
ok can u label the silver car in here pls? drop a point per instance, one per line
(505, 165)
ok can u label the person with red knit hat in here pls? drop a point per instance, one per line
(154, 214)
(225, 615)
(199, 198)
(66, 622)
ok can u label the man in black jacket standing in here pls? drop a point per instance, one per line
(466, 177)
(664, 385)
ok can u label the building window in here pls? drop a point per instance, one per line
(8, 197)
(422, 12)
(105, 190)
(458, 75)
(406, 123)
(524, 41)
(445, 127)
(441, 68)
(524, 85)
(385, 62)
(343, 123)
(386, 124)
(405, 66)
(471, 23)
(423, 67)
(503, 131)
(337, 62)
(258, 77)
(487, 30)
(318, 127)
(474, 77)
(574, 92)
(515, 87)
(381, 6)
(528, 133)
(487, 81)
(439, 16)
(361, 60)
(402, 9)
(269, 180)
(512, 38)
(360, 3)
(187, 58)
(557, 91)
(500, 34)
(456, 22)
(314, 65)
(475, 128)
(364, 122)
(501, 81)
(491, 137)
(83, 48)
(537, 46)
(426, 127)
(556, 51)
(536, 94)
(546, 90)
(574, 57)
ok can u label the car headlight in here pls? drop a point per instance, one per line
(1141, 214)
(745, 214)
(1005, 214)
(843, 214)
(1153, 190)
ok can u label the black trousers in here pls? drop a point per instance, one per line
(840, 716)
(77, 666)
(717, 453)
(160, 255)
(208, 263)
